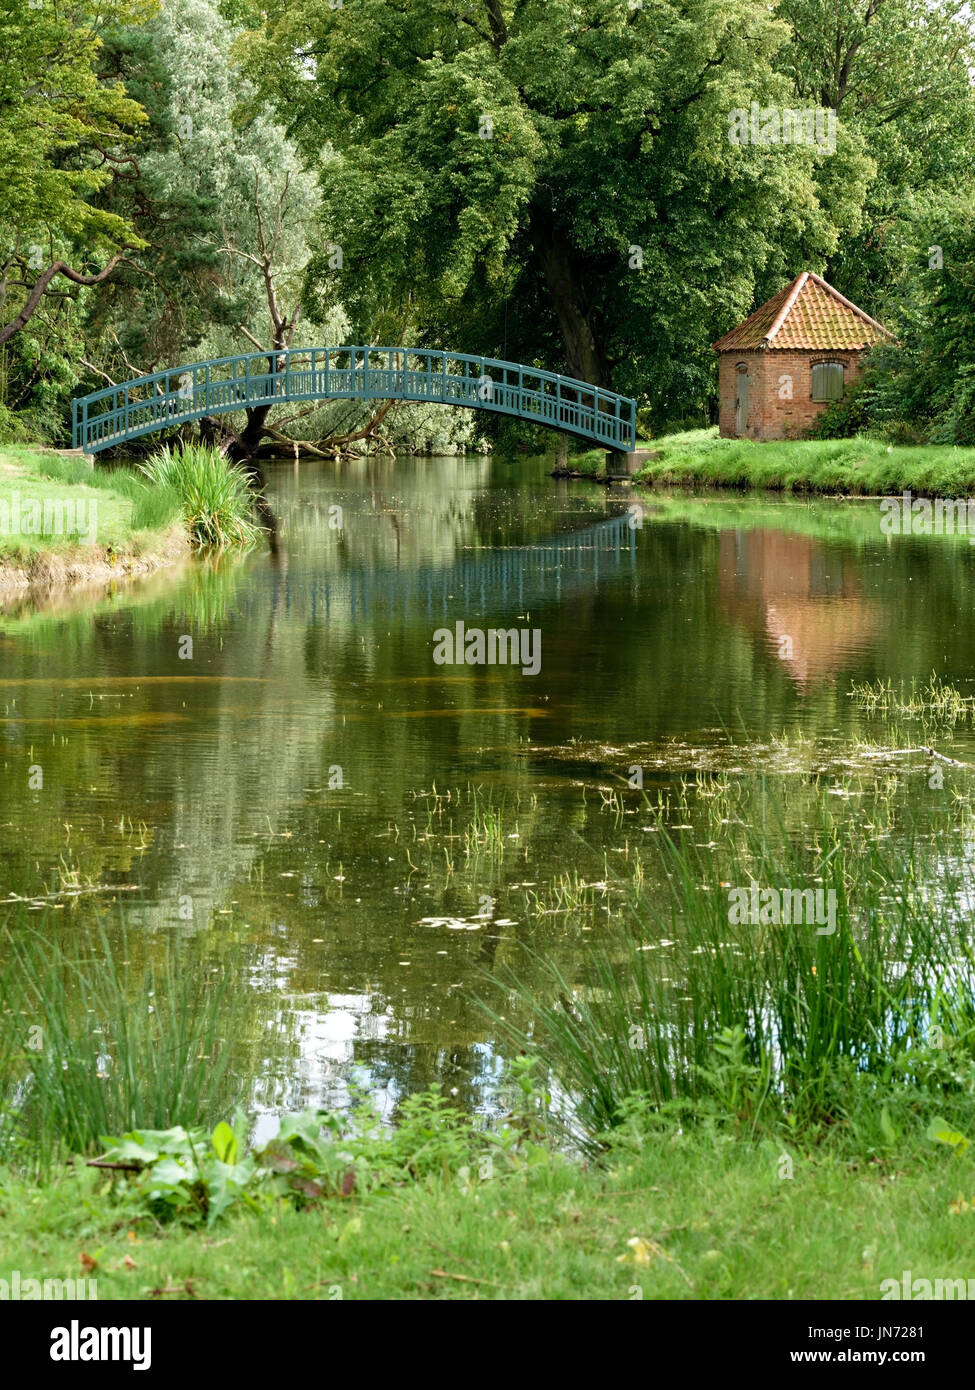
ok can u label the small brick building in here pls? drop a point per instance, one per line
(780, 368)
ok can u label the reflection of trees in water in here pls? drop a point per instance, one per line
(254, 731)
(308, 662)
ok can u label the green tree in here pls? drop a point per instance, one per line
(63, 131)
(569, 159)
(898, 73)
(923, 385)
(206, 185)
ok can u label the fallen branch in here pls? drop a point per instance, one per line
(295, 444)
(463, 1278)
(931, 752)
(366, 430)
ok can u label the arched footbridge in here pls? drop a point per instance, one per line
(161, 400)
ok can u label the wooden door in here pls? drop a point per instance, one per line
(741, 400)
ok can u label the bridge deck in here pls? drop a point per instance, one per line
(163, 399)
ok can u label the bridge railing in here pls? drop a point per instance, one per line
(162, 399)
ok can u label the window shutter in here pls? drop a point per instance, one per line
(827, 381)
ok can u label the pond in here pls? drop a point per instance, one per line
(264, 752)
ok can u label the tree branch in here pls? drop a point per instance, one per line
(250, 337)
(8, 330)
(97, 370)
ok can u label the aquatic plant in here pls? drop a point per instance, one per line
(93, 1042)
(215, 496)
(682, 1004)
(935, 698)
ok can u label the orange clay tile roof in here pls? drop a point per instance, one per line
(808, 314)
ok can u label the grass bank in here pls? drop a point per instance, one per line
(850, 467)
(857, 467)
(682, 1216)
(62, 521)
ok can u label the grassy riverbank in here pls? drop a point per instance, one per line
(62, 521)
(853, 467)
(688, 1216)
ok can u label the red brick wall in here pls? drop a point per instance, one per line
(770, 416)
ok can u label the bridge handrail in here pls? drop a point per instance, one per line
(284, 358)
(541, 372)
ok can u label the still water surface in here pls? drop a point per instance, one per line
(375, 829)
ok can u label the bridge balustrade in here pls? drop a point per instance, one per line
(115, 414)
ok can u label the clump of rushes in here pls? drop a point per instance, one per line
(214, 495)
(104, 1037)
(761, 1023)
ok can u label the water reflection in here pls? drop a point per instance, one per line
(800, 596)
(312, 786)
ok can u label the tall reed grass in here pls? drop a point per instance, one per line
(215, 496)
(92, 1043)
(677, 998)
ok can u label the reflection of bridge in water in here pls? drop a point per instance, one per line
(525, 574)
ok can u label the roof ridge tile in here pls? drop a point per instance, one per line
(808, 314)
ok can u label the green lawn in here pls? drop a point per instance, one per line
(117, 513)
(23, 479)
(859, 466)
(712, 1219)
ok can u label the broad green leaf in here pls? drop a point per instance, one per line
(941, 1131)
(225, 1143)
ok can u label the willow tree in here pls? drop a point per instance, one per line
(203, 184)
(562, 164)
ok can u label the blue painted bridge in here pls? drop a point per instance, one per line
(116, 414)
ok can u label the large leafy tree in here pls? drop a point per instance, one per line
(921, 387)
(66, 135)
(62, 136)
(565, 160)
(898, 73)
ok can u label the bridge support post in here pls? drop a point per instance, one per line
(623, 464)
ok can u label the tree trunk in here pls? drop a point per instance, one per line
(244, 445)
(584, 357)
(238, 448)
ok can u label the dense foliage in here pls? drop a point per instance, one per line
(551, 182)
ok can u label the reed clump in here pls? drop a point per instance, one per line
(685, 1006)
(102, 1035)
